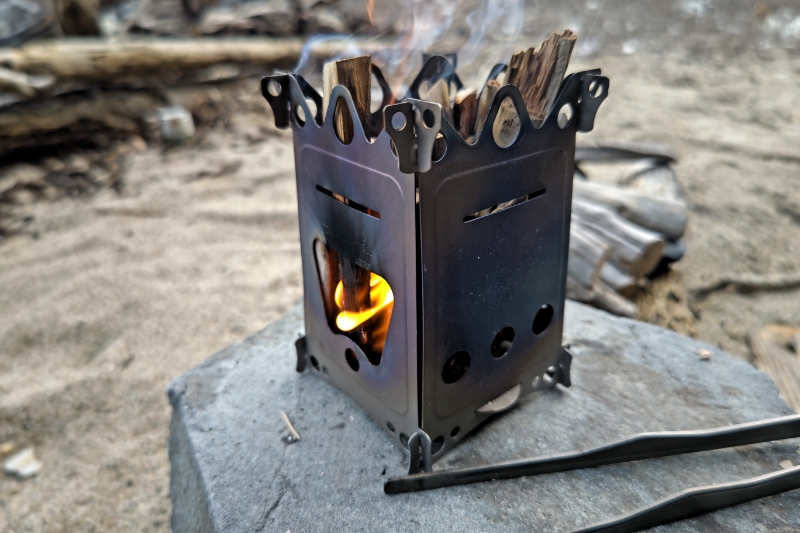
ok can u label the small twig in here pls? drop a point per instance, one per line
(290, 426)
(750, 282)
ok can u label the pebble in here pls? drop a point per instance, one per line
(786, 464)
(22, 464)
(704, 355)
(7, 448)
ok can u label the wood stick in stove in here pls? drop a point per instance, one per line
(439, 93)
(354, 74)
(464, 110)
(484, 104)
(538, 73)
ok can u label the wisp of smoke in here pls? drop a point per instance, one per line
(424, 24)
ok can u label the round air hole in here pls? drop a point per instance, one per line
(439, 148)
(564, 116)
(398, 121)
(436, 445)
(455, 367)
(352, 359)
(390, 426)
(404, 440)
(502, 342)
(455, 431)
(300, 114)
(274, 88)
(428, 118)
(312, 107)
(542, 319)
(314, 362)
(595, 89)
(343, 122)
(506, 124)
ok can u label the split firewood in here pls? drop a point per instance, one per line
(780, 364)
(751, 282)
(657, 214)
(439, 93)
(329, 273)
(484, 104)
(635, 249)
(620, 281)
(538, 73)
(465, 108)
(354, 74)
(587, 256)
(601, 296)
(506, 124)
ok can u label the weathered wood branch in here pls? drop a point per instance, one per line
(602, 297)
(587, 256)
(620, 281)
(656, 214)
(636, 250)
(780, 364)
(104, 59)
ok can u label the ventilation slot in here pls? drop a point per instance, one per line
(350, 203)
(502, 207)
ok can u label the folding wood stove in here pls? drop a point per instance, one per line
(474, 302)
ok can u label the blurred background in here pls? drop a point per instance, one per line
(148, 207)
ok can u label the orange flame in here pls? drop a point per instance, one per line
(380, 295)
(371, 11)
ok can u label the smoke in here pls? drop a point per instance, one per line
(423, 25)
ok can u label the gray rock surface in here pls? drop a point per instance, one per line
(233, 470)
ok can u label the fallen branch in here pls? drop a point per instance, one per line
(293, 431)
(104, 59)
(781, 365)
(750, 282)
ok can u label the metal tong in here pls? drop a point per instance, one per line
(685, 504)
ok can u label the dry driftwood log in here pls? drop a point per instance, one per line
(587, 256)
(636, 250)
(538, 73)
(102, 59)
(656, 214)
(601, 296)
(465, 108)
(354, 75)
(620, 281)
(780, 364)
(751, 282)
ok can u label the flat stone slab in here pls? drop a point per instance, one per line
(232, 469)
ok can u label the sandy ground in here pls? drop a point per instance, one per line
(105, 298)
